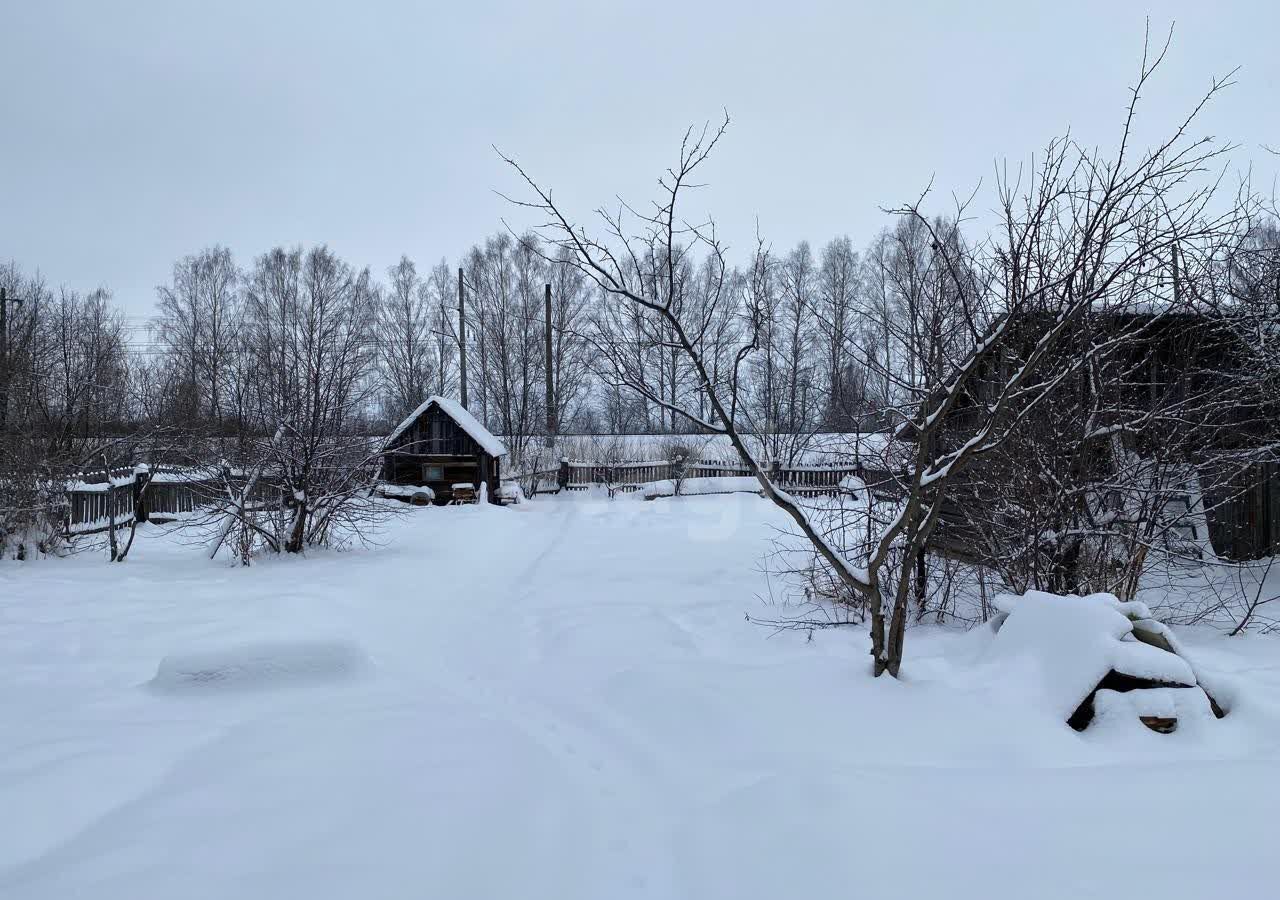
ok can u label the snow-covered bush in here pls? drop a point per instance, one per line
(33, 507)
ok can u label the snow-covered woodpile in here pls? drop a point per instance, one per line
(1096, 658)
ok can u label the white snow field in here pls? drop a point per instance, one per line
(564, 700)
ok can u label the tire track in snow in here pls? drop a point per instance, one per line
(613, 826)
(557, 539)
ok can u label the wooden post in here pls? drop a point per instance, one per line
(110, 496)
(563, 479)
(551, 394)
(462, 342)
(140, 479)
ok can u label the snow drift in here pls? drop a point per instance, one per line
(258, 666)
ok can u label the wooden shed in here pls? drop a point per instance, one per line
(441, 445)
(1163, 360)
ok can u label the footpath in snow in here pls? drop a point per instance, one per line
(564, 700)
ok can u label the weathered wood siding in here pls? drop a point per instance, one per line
(1244, 514)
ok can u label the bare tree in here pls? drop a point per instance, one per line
(570, 373)
(444, 316)
(836, 313)
(197, 330)
(308, 335)
(406, 345)
(79, 369)
(508, 275)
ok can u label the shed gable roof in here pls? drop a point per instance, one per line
(464, 420)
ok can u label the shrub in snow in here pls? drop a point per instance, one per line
(1097, 655)
(32, 512)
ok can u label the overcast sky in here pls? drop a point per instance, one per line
(133, 133)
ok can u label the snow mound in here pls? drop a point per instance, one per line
(855, 487)
(419, 492)
(510, 492)
(1071, 643)
(1127, 714)
(690, 487)
(1165, 703)
(259, 666)
(1141, 660)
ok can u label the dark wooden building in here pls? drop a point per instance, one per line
(1175, 387)
(438, 446)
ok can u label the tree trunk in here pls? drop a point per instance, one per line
(922, 583)
(298, 529)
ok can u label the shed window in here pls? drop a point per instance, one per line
(433, 473)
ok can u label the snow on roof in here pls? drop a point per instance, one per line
(467, 422)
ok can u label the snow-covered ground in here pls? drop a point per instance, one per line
(564, 700)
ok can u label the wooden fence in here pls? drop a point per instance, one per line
(1243, 516)
(574, 475)
(95, 500)
(93, 506)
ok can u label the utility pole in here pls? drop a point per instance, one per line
(484, 380)
(551, 391)
(5, 300)
(462, 342)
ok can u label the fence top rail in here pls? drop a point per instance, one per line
(91, 480)
(101, 487)
(85, 486)
(714, 464)
(586, 464)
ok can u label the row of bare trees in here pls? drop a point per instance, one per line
(829, 332)
(826, 323)
(283, 348)
(65, 374)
